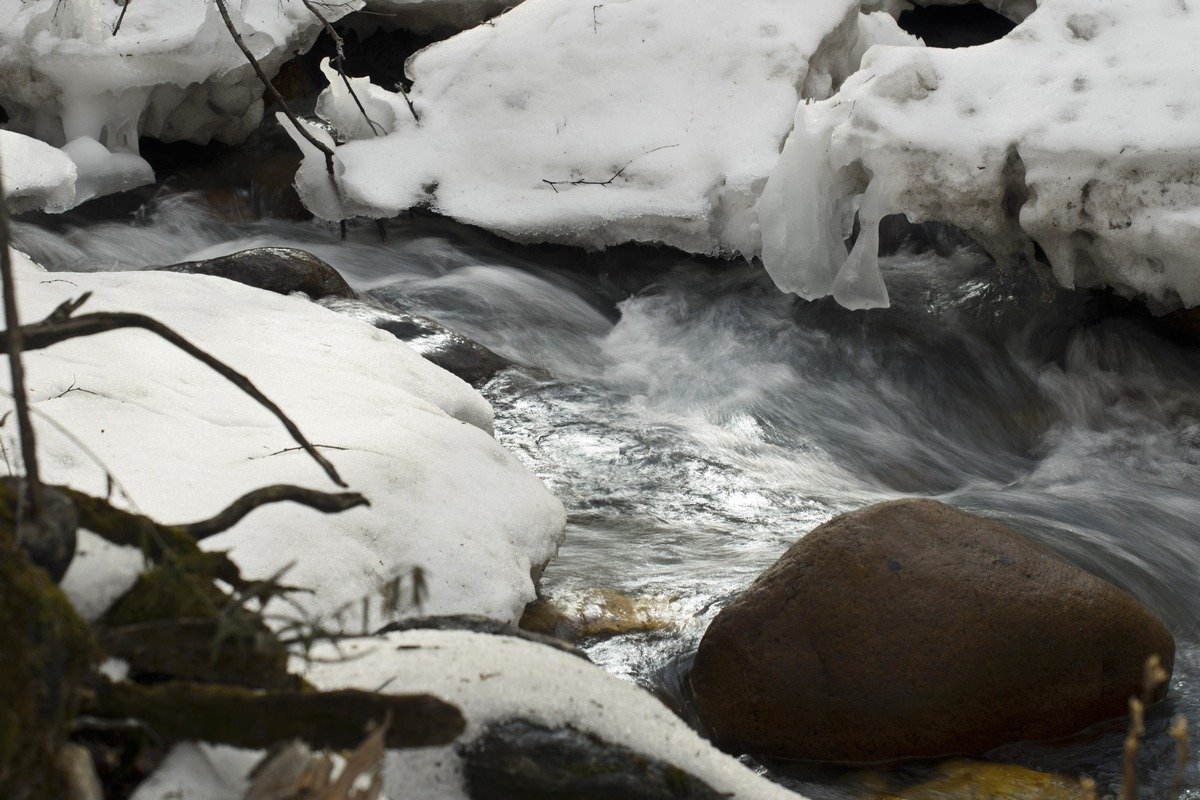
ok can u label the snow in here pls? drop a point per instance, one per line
(182, 443)
(172, 72)
(562, 121)
(492, 678)
(37, 177)
(1076, 133)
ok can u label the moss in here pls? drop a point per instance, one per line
(175, 623)
(47, 651)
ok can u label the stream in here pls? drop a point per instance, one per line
(696, 422)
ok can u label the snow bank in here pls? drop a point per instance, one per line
(37, 177)
(183, 443)
(172, 72)
(655, 121)
(1078, 133)
(491, 678)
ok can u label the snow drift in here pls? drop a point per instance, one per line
(1073, 140)
(655, 121)
(182, 443)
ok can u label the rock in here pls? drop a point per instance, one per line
(962, 779)
(282, 270)
(79, 773)
(912, 629)
(453, 352)
(478, 624)
(593, 614)
(518, 759)
(50, 540)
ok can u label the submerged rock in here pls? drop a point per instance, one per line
(282, 270)
(451, 351)
(963, 779)
(526, 760)
(595, 613)
(912, 629)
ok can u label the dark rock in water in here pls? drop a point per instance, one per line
(912, 629)
(522, 760)
(453, 352)
(282, 270)
(478, 624)
(50, 540)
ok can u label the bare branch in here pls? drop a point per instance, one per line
(585, 182)
(13, 345)
(300, 127)
(44, 334)
(339, 63)
(321, 501)
(120, 19)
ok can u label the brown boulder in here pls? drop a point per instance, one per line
(912, 629)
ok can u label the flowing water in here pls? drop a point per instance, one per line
(695, 422)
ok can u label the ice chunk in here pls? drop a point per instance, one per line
(36, 175)
(562, 121)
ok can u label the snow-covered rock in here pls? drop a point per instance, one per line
(491, 679)
(592, 124)
(181, 443)
(37, 177)
(1077, 136)
(172, 71)
(431, 16)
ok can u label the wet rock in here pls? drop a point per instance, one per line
(912, 629)
(595, 614)
(282, 270)
(522, 760)
(478, 624)
(50, 540)
(453, 352)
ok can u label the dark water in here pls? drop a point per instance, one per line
(695, 422)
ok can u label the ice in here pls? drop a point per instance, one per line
(490, 678)
(181, 444)
(1074, 139)
(37, 177)
(595, 124)
(172, 72)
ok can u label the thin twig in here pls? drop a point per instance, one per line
(321, 501)
(47, 333)
(223, 7)
(120, 19)
(14, 344)
(585, 182)
(339, 64)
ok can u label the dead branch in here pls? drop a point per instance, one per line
(223, 7)
(14, 345)
(60, 328)
(121, 18)
(339, 63)
(586, 182)
(177, 710)
(320, 501)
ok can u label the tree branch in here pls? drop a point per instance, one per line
(339, 63)
(14, 345)
(321, 501)
(585, 182)
(44, 334)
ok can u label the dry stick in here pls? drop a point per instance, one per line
(1153, 676)
(340, 62)
(14, 344)
(120, 19)
(584, 182)
(58, 329)
(278, 98)
(226, 519)
(1179, 732)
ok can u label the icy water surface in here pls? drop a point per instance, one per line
(695, 422)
